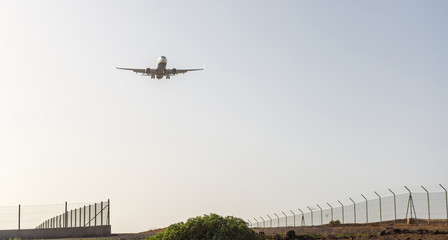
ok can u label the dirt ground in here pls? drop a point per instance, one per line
(417, 229)
(400, 230)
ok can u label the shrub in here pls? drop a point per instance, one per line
(333, 223)
(208, 227)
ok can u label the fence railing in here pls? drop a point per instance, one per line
(97, 214)
(420, 202)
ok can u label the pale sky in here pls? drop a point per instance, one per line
(300, 101)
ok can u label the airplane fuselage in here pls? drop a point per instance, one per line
(161, 67)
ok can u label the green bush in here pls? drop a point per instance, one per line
(208, 227)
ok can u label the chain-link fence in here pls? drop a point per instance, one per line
(97, 214)
(419, 202)
(39, 216)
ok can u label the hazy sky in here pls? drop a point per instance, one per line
(300, 101)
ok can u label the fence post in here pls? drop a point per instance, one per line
(395, 206)
(101, 213)
(250, 223)
(94, 214)
(446, 202)
(429, 209)
(19, 216)
(367, 209)
(84, 209)
(286, 219)
(381, 213)
(410, 204)
(294, 217)
(278, 220)
(312, 224)
(264, 222)
(354, 209)
(342, 211)
(303, 218)
(66, 216)
(108, 212)
(331, 211)
(270, 221)
(321, 214)
(90, 217)
(256, 221)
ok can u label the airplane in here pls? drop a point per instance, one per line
(161, 70)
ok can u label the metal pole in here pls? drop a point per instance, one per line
(429, 209)
(354, 209)
(270, 220)
(278, 220)
(19, 216)
(250, 222)
(256, 221)
(294, 217)
(446, 201)
(303, 218)
(367, 209)
(381, 214)
(321, 215)
(410, 204)
(76, 216)
(84, 209)
(263, 222)
(108, 212)
(71, 218)
(90, 217)
(94, 214)
(311, 215)
(66, 216)
(331, 211)
(286, 219)
(101, 213)
(395, 206)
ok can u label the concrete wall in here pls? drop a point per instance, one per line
(73, 232)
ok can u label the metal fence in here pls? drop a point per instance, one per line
(97, 214)
(430, 203)
(32, 216)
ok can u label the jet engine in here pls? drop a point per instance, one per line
(174, 71)
(148, 71)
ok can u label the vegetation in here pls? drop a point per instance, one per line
(333, 223)
(208, 227)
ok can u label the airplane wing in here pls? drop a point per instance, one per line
(175, 71)
(136, 70)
